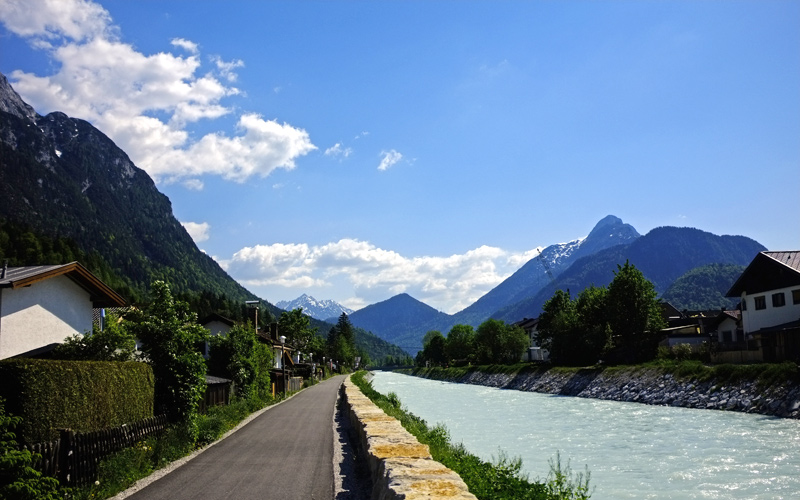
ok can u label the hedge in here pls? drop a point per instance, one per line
(79, 395)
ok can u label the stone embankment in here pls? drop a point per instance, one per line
(648, 386)
(401, 467)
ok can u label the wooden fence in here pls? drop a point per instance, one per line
(73, 458)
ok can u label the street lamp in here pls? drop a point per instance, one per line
(283, 362)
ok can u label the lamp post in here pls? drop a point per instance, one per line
(283, 362)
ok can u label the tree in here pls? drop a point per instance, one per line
(460, 345)
(341, 342)
(434, 348)
(497, 342)
(633, 314)
(296, 326)
(113, 343)
(239, 355)
(557, 326)
(593, 332)
(170, 339)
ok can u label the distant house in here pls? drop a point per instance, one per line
(534, 352)
(216, 324)
(40, 306)
(769, 291)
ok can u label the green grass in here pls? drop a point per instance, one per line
(502, 479)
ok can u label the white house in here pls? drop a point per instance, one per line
(534, 352)
(42, 305)
(769, 291)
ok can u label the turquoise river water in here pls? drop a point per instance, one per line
(633, 451)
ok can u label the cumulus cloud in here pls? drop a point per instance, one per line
(389, 158)
(199, 231)
(144, 102)
(338, 151)
(186, 45)
(374, 274)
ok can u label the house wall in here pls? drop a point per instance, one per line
(217, 328)
(41, 314)
(728, 325)
(754, 320)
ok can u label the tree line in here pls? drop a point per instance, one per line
(617, 324)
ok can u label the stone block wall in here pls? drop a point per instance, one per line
(401, 467)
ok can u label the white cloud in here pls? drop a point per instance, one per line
(199, 231)
(389, 159)
(193, 184)
(186, 45)
(374, 274)
(122, 92)
(226, 67)
(338, 150)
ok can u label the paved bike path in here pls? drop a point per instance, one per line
(285, 453)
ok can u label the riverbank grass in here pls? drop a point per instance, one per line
(501, 479)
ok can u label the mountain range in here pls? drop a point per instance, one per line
(663, 255)
(324, 310)
(67, 192)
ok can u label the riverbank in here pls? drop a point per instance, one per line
(764, 390)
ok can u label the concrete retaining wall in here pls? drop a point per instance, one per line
(401, 467)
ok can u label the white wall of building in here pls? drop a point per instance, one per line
(754, 319)
(44, 313)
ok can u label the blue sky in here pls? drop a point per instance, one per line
(356, 150)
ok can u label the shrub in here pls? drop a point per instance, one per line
(18, 479)
(79, 395)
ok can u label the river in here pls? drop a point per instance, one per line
(632, 450)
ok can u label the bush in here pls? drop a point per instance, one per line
(18, 479)
(79, 395)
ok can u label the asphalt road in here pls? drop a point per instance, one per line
(286, 453)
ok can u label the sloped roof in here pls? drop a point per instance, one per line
(768, 271)
(100, 294)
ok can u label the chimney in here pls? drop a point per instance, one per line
(273, 331)
(5, 269)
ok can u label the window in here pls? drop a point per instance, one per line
(761, 302)
(796, 296)
(778, 299)
(727, 336)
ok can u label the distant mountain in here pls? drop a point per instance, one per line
(324, 310)
(704, 288)
(533, 276)
(399, 320)
(404, 320)
(67, 191)
(61, 177)
(663, 255)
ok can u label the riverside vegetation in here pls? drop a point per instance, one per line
(501, 480)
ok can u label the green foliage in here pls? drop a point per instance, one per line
(563, 483)
(241, 357)
(575, 332)
(497, 342)
(18, 479)
(460, 343)
(170, 340)
(296, 326)
(634, 314)
(433, 350)
(341, 342)
(79, 395)
(113, 343)
(704, 288)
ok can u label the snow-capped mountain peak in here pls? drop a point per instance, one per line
(319, 309)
